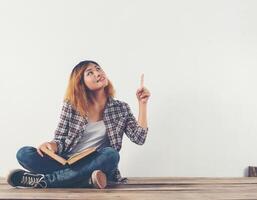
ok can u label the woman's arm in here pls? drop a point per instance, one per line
(137, 130)
(142, 116)
(143, 95)
(62, 127)
(57, 144)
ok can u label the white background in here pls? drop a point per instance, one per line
(198, 57)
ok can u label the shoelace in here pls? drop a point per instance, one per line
(33, 180)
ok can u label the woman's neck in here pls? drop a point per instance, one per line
(96, 107)
(98, 99)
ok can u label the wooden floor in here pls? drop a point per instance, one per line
(148, 188)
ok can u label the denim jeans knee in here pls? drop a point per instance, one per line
(23, 153)
(111, 154)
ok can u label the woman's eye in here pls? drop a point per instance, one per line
(89, 73)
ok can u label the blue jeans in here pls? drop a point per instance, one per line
(75, 175)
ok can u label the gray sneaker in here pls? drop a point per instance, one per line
(21, 178)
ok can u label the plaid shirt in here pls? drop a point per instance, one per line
(117, 118)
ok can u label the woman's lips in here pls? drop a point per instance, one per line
(101, 79)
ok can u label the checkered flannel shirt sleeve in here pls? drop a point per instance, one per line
(62, 127)
(133, 130)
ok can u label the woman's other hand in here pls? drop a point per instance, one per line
(52, 146)
(143, 93)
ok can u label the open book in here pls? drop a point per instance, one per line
(74, 158)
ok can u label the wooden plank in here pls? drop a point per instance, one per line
(191, 180)
(183, 180)
(131, 195)
(147, 188)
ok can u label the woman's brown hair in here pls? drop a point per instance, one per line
(77, 93)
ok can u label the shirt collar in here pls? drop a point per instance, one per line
(111, 102)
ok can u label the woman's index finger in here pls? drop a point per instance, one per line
(142, 80)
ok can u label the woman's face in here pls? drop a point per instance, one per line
(95, 78)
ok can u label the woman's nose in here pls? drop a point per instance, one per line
(97, 74)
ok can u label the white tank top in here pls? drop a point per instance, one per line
(93, 136)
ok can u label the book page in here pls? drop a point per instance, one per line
(81, 154)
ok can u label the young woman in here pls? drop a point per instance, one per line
(90, 117)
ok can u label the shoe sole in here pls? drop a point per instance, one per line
(9, 178)
(99, 179)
